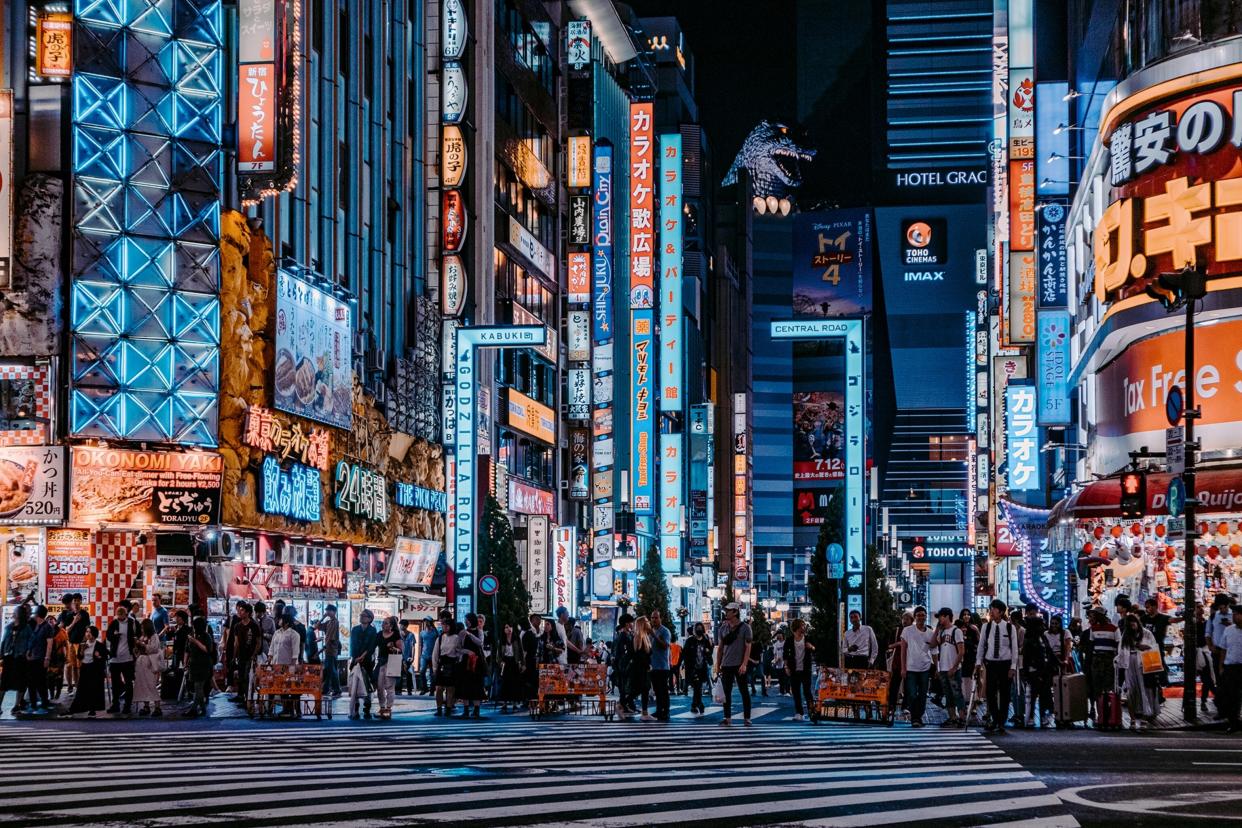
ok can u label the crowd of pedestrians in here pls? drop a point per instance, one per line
(1010, 668)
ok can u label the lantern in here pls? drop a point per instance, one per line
(1136, 530)
(1170, 554)
(1116, 531)
(1213, 552)
(1235, 550)
(1098, 532)
(1222, 528)
(1088, 548)
(1160, 530)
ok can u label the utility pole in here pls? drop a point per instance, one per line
(1174, 291)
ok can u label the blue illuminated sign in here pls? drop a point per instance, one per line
(294, 492)
(1045, 571)
(672, 317)
(672, 466)
(643, 357)
(1053, 367)
(144, 314)
(1022, 436)
(1053, 290)
(416, 497)
(601, 245)
(850, 330)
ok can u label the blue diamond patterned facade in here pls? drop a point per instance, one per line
(145, 311)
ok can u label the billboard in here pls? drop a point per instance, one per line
(413, 562)
(819, 435)
(314, 375)
(601, 245)
(672, 315)
(256, 117)
(811, 506)
(168, 488)
(32, 485)
(832, 263)
(1052, 367)
(642, 474)
(1022, 437)
(672, 465)
(642, 188)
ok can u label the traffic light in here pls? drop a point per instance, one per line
(1174, 290)
(1133, 494)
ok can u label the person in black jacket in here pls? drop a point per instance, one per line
(696, 656)
(122, 637)
(799, 656)
(530, 654)
(622, 659)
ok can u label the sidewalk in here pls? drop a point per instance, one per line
(1169, 718)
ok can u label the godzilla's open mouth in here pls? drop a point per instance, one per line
(789, 161)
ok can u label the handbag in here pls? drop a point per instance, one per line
(1152, 662)
(394, 665)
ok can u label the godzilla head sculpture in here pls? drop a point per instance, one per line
(773, 158)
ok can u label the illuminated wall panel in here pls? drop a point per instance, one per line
(144, 312)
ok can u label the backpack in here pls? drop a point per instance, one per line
(1038, 655)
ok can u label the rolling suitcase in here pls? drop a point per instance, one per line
(1108, 711)
(1069, 699)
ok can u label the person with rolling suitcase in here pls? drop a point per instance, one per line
(1104, 641)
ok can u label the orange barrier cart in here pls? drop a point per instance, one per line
(852, 696)
(272, 682)
(574, 688)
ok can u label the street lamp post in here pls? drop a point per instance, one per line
(1174, 291)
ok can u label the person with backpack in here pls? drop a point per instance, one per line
(622, 659)
(733, 644)
(696, 656)
(1039, 665)
(998, 645)
(201, 656)
(949, 650)
(1103, 640)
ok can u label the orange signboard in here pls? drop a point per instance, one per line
(54, 37)
(1022, 204)
(256, 117)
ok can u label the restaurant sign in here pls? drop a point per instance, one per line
(361, 491)
(167, 488)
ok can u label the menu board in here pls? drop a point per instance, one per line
(70, 563)
(169, 488)
(314, 375)
(32, 484)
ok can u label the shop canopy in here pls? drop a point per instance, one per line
(1219, 491)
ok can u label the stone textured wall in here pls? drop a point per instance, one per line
(30, 312)
(247, 307)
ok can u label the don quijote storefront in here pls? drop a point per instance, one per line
(1162, 192)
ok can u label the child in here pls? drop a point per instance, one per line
(90, 694)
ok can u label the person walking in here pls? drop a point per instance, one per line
(916, 664)
(778, 662)
(362, 641)
(74, 621)
(798, 656)
(968, 623)
(1103, 639)
(89, 698)
(894, 663)
(387, 668)
(39, 658)
(1039, 664)
(640, 665)
(148, 667)
(427, 636)
(530, 653)
(201, 656)
(661, 646)
(696, 655)
(1229, 640)
(285, 651)
(733, 644)
(622, 661)
(330, 629)
(122, 638)
(998, 641)
(473, 666)
(950, 649)
(444, 662)
(512, 666)
(859, 644)
(1196, 631)
(571, 637)
(13, 656)
(409, 641)
(1138, 686)
(754, 668)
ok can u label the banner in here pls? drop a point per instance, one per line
(601, 236)
(1053, 262)
(672, 299)
(1022, 437)
(413, 562)
(168, 488)
(256, 117)
(832, 263)
(819, 435)
(1053, 367)
(564, 577)
(70, 563)
(314, 375)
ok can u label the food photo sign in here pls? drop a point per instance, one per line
(165, 488)
(32, 485)
(314, 353)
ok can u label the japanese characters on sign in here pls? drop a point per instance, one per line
(256, 31)
(54, 39)
(537, 563)
(413, 562)
(452, 221)
(452, 285)
(644, 411)
(579, 161)
(642, 198)
(269, 432)
(295, 492)
(452, 92)
(579, 278)
(580, 234)
(1022, 436)
(1154, 139)
(361, 491)
(525, 499)
(672, 467)
(578, 43)
(578, 393)
(256, 117)
(579, 463)
(144, 487)
(1020, 307)
(452, 156)
(530, 417)
(32, 485)
(453, 30)
(6, 187)
(672, 314)
(1053, 367)
(1053, 262)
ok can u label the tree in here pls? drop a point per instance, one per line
(499, 557)
(653, 587)
(882, 613)
(760, 628)
(824, 593)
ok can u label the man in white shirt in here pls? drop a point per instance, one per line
(998, 652)
(1231, 677)
(916, 664)
(860, 646)
(950, 648)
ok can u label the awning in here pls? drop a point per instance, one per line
(1219, 491)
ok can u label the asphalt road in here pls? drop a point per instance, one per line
(1167, 778)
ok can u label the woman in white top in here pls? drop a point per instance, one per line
(286, 649)
(1139, 687)
(444, 656)
(148, 666)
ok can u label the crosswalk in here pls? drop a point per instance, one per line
(583, 773)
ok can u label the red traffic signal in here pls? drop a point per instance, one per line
(1133, 494)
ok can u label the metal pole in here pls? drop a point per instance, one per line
(1189, 650)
